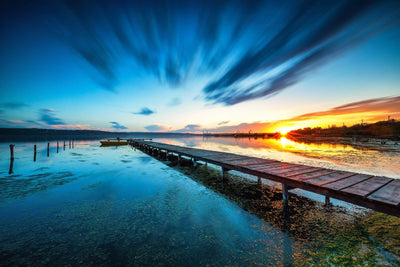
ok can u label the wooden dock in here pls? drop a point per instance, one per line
(375, 192)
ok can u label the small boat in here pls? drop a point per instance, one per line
(114, 142)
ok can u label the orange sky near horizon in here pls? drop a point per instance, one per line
(367, 111)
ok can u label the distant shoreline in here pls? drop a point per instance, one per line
(32, 134)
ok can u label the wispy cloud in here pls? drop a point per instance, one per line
(47, 116)
(20, 124)
(190, 128)
(242, 128)
(223, 122)
(193, 127)
(230, 43)
(13, 105)
(158, 128)
(144, 111)
(378, 108)
(75, 127)
(312, 35)
(117, 126)
(175, 102)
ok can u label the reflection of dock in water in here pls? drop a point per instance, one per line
(374, 192)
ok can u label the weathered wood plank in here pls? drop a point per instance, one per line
(328, 178)
(250, 164)
(298, 176)
(223, 159)
(390, 193)
(233, 160)
(262, 167)
(254, 162)
(367, 187)
(343, 183)
(288, 167)
(301, 171)
(282, 171)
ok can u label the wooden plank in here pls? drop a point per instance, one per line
(329, 178)
(390, 193)
(227, 160)
(252, 161)
(308, 169)
(261, 167)
(288, 167)
(249, 164)
(277, 167)
(368, 186)
(255, 166)
(291, 169)
(236, 159)
(308, 175)
(343, 183)
(224, 157)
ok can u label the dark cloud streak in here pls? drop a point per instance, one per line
(117, 126)
(144, 111)
(48, 116)
(13, 105)
(247, 49)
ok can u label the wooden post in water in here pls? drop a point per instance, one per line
(12, 150)
(285, 195)
(73, 143)
(194, 162)
(224, 174)
(69, 143)
(327, 201)
(259, 181)
(57, 146)
(10, 171)
(34, 153)
(48, 149)
(179, 159)
(64, 145)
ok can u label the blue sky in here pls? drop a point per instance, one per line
(194, 65)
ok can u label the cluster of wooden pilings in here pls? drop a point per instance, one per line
(70, 145)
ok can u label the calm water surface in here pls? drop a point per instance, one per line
(116, 206)
(91, 205)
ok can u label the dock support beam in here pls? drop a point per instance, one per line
(285, 195)
(327, 201)
(259, 182)
(224, 174)
(194, 162)
(179, 159)
(34, 153)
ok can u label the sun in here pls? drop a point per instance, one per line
(284, 130)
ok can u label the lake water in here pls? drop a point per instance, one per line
(103, 206)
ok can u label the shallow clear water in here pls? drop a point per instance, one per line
(93, 205)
